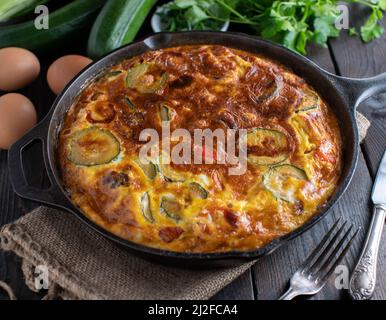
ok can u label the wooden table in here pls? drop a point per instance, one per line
(269, 277)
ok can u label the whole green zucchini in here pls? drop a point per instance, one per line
(63, 23)
(15, 8)
(117, 24)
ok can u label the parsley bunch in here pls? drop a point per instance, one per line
(184, 15)
(293, 23)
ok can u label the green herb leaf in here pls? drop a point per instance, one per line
(195, 15)
(382, 4)
(182, 15)
(371, 29)
(184, 4)
(293, 23)
(353, 32)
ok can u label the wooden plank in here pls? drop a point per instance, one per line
(357, 59)
(321, 56)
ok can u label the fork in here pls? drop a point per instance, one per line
(313, 274)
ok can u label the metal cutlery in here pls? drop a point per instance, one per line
(363, 279)
(312, 276)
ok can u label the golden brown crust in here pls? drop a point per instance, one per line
(207, 87)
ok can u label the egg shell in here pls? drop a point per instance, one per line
(17, 116)
(64, 69)
(18, 68)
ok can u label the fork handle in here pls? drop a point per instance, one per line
(289, 295)
(362, 283)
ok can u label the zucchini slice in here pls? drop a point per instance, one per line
(284, 180)
(267, 160)
(171, 208)
(149, 169)
(135, 79)
(157, 84)
(113, 74)
(272, 88)
(101, 112)
(166, 113)
(130, 103)
(145, 207)
(311, 101)
(314, 107)
(134, 74)
(197, 191)
(93, 146)
(268, 141)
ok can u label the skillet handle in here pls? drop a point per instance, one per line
(358, 90)
(52, 195)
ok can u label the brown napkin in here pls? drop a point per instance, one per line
(84, 265)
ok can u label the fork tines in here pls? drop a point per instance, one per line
(329, 253)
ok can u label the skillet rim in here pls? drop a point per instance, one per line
(54, 127)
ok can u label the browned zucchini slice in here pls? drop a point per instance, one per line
(113, 73)
(149, 169)
(101, 112)
(314, 107)
(145, 207)
(272, 142)
(267, 160)
(171, 208)
(276, 181)
(157, 84)
(197, 191)
(266, 89)
(166, 113)
(93, 146)
(311, 101)
(135, 79)
(130, 103)
(134, 74)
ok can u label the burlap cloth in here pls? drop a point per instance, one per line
(84, 265)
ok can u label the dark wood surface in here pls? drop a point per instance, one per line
(269, 277)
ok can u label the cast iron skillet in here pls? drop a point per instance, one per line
(342, 94)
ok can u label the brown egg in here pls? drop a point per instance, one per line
(63, 70)
(17, 116)
(18, 68)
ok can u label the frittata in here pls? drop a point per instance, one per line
(293, 150)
